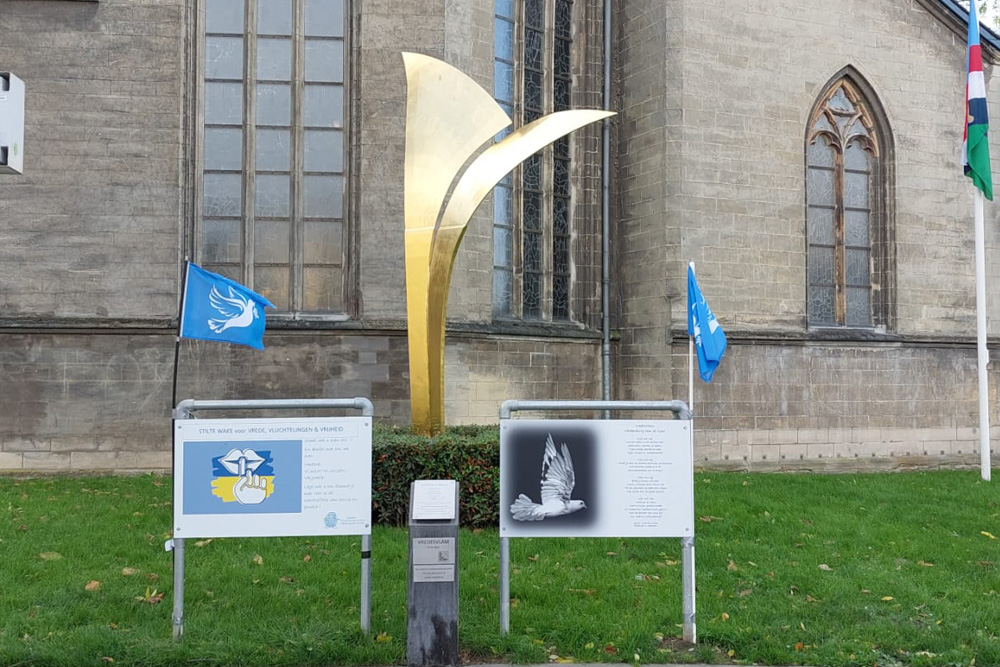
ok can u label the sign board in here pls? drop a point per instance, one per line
(596, 478)
(272, 477)
(433, 559)
(434, 499)
(11, 124)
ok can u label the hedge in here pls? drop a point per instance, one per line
(468, 454)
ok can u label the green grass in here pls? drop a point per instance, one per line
(792, 569)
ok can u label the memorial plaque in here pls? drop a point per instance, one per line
(433, 559)
(590, 478)
(434, 499)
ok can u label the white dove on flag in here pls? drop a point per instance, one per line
(558, 480)
(240, 310)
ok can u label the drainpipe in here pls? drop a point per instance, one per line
(606, 217)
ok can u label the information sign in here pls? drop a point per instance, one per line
(272, 477)
(596, 478)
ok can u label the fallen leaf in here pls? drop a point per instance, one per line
(732, 566)
(533, 559)
(258, 560)
(725, 616)
(588, 645)
(565, 661)
(610, 649)
(612, 553)
(107, 659)
(825, 567)
(92, 586)
(50, 555)
(383, 637)
(731, 652)
(202, 543)
(307, 558)
(636, 658)
(128, 571)
(865, 591)
(810, 598)
(152, 576)
(989, 535)
(925, 564)
(886, 598)
(798, 646)
(984, 563)
(286, 580)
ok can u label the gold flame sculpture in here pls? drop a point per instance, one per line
(448, 118)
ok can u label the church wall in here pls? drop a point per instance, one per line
(102, 402)
(646, 213)
(94, 234)
(751, 74)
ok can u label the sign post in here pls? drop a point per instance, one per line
(271, 477)
(597, 478)
(432, 589)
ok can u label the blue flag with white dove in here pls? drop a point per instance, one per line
(709, 339)
(214, 307)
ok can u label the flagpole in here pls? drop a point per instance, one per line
(177, 338)
(982, 354)
(691, 372)
(689, 583)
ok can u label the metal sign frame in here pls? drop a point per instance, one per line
(185, 410)
(681, 410)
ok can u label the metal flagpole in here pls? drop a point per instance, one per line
(690, 367)
(982, 355)
(690, 633)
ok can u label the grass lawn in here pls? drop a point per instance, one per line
(896, 569)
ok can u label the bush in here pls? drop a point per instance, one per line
(468, 454)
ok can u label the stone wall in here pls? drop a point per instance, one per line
(836, 406)
(92, 401)
(90, 232)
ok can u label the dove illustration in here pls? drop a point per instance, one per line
(558, 480)
(240, 310)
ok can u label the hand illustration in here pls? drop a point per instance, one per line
(250, 489)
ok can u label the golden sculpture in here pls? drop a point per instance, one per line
(448, 118)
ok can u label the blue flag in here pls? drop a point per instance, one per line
(214, 307)
(709, 339)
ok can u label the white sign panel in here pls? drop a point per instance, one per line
(596, 478)
(433, 559)
(272, 477)
(434, 499)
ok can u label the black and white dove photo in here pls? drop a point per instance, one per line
(552, 483)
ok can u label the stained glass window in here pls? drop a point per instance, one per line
(843, 262)
(273, 149)
(532, 210)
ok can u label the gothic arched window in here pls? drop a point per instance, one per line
(848, 233)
